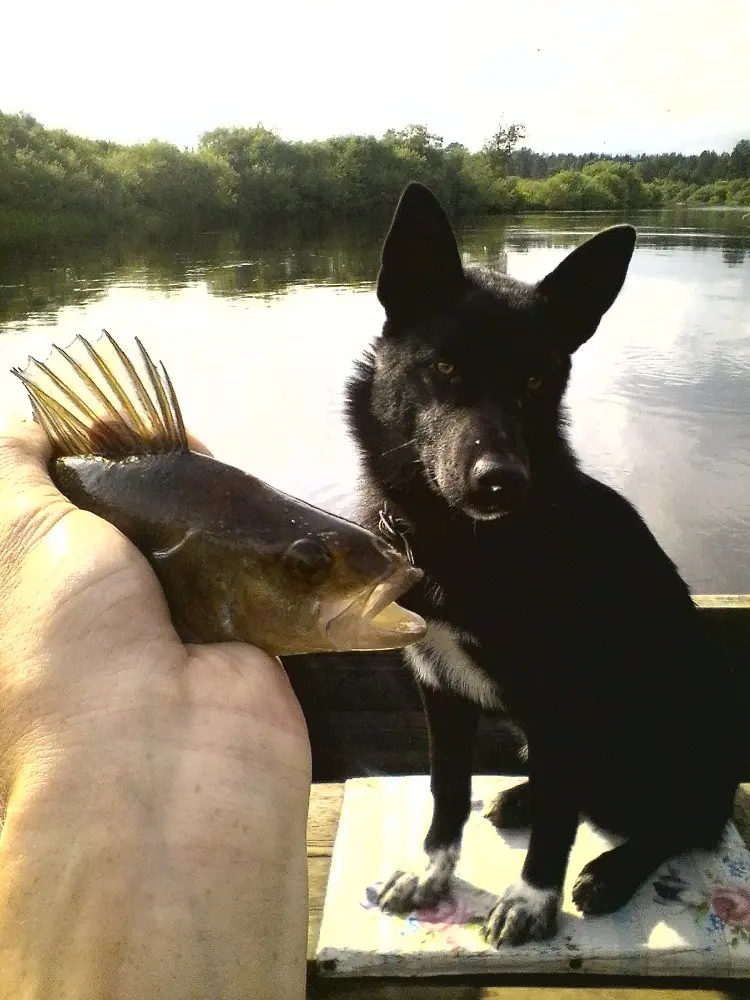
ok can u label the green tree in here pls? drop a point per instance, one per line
(56, 186)
(739, 160)
(499, 147)
(169, 191)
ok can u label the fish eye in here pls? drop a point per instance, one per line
(309, 559)
(445, 367)
(533, 382)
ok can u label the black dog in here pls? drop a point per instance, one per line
(544, 590)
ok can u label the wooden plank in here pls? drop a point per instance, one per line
(325, 809)
(322, 823)
(379, 681)
(508, 989)
(355, 682)
(364, 713)
(317, 881)
(728, 617)
(323, 818)
(364, 743)
(722, 602)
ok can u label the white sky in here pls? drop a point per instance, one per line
(608, 75)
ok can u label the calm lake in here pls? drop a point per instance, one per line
(259, 339)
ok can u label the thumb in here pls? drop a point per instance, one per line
(24, 451)
(30, 504)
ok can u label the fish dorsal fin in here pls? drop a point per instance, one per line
(91, 400)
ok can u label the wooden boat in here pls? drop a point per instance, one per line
(365, 718)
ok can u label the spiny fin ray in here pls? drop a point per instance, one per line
(87, 406)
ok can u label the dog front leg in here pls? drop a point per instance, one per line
(452, 728)
(528, 909)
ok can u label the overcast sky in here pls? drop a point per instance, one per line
(606, 75)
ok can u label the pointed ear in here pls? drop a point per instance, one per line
(583, 287)
(420, 266)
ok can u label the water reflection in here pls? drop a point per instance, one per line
(259, 339)
(36, 287)
(726, 228)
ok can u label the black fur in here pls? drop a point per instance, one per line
(557, 591)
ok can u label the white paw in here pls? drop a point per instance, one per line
(523, 913)
(406, 891)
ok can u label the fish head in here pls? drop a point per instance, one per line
(349, 580)
(245, 561)
(330, 585)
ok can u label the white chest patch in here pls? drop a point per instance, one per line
(440, 659)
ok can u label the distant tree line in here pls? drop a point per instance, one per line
(698, 168)
(54, 185)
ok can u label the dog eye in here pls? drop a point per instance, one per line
(445, 367)
(533, 382)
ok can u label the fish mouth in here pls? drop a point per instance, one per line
(373, 621)
(477, 514)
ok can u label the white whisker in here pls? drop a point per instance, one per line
(390, 451)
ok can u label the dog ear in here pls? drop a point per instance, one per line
(420, 266)
(582, 288)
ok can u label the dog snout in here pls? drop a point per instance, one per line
(498, 481)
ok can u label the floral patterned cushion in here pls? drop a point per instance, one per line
(691, 918)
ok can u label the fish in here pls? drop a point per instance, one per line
(237, 559)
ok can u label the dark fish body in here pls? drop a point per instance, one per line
(236, 558)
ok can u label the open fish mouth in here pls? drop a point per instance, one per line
(373, 621)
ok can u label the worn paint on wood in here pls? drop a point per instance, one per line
(325, 808)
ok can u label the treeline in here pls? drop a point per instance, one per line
(57, 185)
(699, 168)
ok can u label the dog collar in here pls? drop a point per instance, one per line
(395, 529)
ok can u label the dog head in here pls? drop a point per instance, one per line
(466, 382)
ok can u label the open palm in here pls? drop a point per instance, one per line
(185, 769)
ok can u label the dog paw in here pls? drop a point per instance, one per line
(406, 891)
(511, 808)
(523, 913)
(604, 885)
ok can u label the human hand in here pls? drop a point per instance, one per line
(154, 840)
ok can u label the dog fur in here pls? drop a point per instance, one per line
(544, 590)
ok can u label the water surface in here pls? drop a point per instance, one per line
(259, 339)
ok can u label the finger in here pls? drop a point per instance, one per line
(24, 456)
(30, 505)
(23, 444)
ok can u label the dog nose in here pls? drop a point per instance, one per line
(500, 481)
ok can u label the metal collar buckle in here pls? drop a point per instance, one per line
(395, 530)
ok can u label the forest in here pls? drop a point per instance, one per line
(56, 186)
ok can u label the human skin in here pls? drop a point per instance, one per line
(156, 794)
